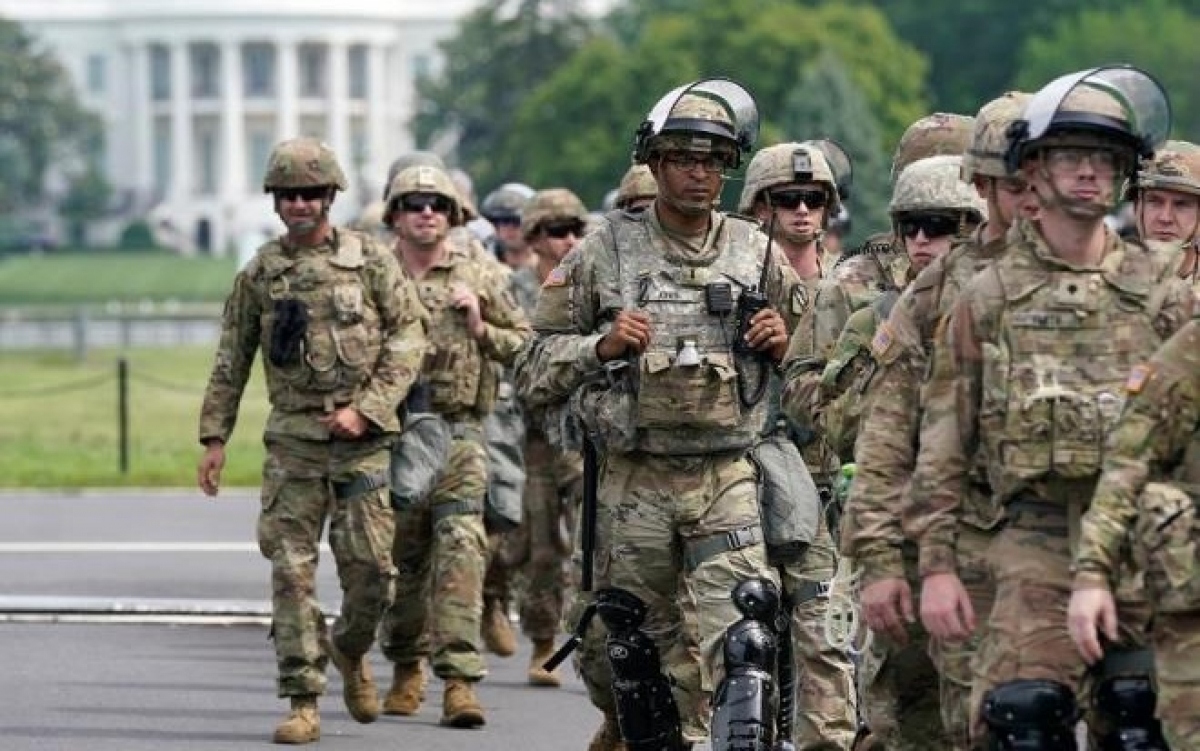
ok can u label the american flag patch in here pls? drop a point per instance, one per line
(882, 341)
(1137, 378)
(556, 278)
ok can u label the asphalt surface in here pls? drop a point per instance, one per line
(136, 620)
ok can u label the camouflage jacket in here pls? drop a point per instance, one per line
(1027, 369)
(365, 337)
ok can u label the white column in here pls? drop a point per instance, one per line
(141, 119)
(288, 89)
(233, 125)
(181, 123)
(338, 126)
(377, 103)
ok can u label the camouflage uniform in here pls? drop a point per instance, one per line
(362, 346)
(1176, 168)
(440, 543)
(1156, 439)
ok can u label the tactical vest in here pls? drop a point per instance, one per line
(343, 338)
(687, 409)
(455, 367)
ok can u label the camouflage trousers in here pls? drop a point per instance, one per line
(1026, 634)
(826, 699)
(900, 694)
(440, 548)
(305, 483)
(541, 546)
(1176, 640)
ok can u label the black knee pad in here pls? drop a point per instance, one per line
(1127, 706)
(1030, 715)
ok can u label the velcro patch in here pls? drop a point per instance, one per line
(1138, 378)
(556, 278)
(882, 341)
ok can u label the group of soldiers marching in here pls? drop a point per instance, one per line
(937, 491)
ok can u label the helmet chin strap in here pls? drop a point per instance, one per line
(1071, 206)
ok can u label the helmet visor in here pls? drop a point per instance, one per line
(736, 100)
(1141, 98)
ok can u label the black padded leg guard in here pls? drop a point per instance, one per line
(1030, 715)
(1127, 705)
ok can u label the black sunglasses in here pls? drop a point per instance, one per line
(302, 194)
(932, 225)
(505, 221)
(560, 230)
(789, 200)
(415, 203)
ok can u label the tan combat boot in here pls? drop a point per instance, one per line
(303, 724)
(497, 632)
(358, 686)
(460, 707)
(407, 691)
(543, 649)
(608, 737)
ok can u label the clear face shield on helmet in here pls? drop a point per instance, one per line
(735, 100)
(839, 164)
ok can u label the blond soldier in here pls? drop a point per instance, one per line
(1028, 370)
(1166, 204)
(791, 190)
(343, 335)
(1156, 439)
(440, 543)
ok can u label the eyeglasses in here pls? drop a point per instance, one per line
(789, 200)
(561, 229)
(302, 194)
(1071, 158)
(931, 225)
(415, 203)
(686, 161)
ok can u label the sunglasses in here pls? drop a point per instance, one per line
(932, 225)
(505, 221)
(302, 194)
(789, 200)
(415, 203)
(559, 230)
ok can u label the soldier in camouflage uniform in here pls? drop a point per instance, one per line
(1147, 496)
(343, 335)
(1028, 370)
(440, 543)
(1166, 203)
(617, 324)
(791, 190)
(503, 208)
(636, 191)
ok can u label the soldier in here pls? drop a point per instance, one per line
(343, 335)
(1166, 199)
(502, 207)
(1148, 488)
(440, 543)
(886, 451)
(1028, 370)
(636, 191)
(655, 295)
(791, 190)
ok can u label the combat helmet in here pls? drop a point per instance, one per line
(939, 133)
(637, 183)
(506, 203)
(932, 184)
(1175, 166)
(423, 179)
(788, 163)
(989, 138)
(303, 163)
(712, 115)
(839, 163)
(549, 205)
(411, 159)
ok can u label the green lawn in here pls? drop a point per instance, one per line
(58, 420)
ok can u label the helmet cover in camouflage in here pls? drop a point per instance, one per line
(989, 139)
(411, 159)
(939, 133)
(786, 163)
(549, 205)
(423, 179)
(714, 115)
(506, 202)
(932, 185)
(303, 163)
(638, 182)
(1175, 166)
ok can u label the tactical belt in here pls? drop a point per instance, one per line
(454, 508)
(1035, 515)
(697, 552)
(360, 485)
(810, 590)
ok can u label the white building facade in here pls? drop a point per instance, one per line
(195, 93)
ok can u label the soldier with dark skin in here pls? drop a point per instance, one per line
(343, 334)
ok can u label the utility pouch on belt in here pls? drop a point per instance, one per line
(787, 498)
(420, 453)
(291, 323)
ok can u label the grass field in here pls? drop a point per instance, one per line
(58, 420)
(82, 277)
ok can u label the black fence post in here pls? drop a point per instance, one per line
(123, 415)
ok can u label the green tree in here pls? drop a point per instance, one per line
(41, 121)
(501, 50)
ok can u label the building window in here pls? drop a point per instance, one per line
(205, 70)
(360, 148)
(162, 155)
(258, 68)
(313, 126)
(96, 73)
(160, 73)
(422, 66)
(260, 141)
(360, 69)
(206, 161)
(313, 71)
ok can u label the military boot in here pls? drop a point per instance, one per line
(608, 737)
(303, 724)
(407, 691)
(460, 707)
(543, 649)
(496, 629)
(358, 686)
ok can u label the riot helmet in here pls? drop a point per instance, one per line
(712, 115)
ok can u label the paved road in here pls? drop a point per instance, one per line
(108, 639)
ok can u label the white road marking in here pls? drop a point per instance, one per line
(132, 547)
